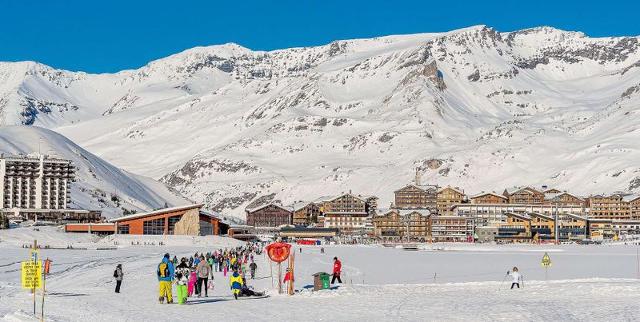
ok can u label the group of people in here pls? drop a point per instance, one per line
(195, 275)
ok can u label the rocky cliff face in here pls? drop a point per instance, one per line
(226, 125)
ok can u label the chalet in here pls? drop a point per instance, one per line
(526, 195)
(416, 197)
(269, 216)
(615, 206)
(305, 213)
(516, 228)
(634, 207)
(572, 227)
(551, 191)
(347, 212)
(489, 198)
(563, 199)
(447, 198)
(542, 226)
(399, 225)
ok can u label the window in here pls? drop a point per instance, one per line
(123, 229)
(172, 223)
(153, 227)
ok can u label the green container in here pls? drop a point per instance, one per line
(325, 281)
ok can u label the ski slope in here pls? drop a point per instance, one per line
(586, 283)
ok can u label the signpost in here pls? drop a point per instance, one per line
(546, 262)
(47, 268)
(31, 276)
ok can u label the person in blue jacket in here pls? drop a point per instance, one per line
(165, 274)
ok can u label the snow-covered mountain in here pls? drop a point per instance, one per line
(474, 108)
(99, 185)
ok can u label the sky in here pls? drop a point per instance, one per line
(113, 35)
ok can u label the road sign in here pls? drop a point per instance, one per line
(546, 260)
(31, 275)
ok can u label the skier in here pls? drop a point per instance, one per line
(165, 277)
(235, 283)
(118, 274)
(245, 290)
(253, 267)
(337, 268)
(516, 277)
(204, 270)
(182, 279)
(191, 284)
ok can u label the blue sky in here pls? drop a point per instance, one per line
(108, 36)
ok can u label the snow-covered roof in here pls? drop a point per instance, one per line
(629, 198)
(488, 193)
(518, 215)
(452, 188)
(156, 212)
(287, 208)
(541, 215)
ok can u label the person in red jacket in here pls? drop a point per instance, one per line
(337, 268)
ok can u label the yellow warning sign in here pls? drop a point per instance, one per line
(546, 260)
(31, 274)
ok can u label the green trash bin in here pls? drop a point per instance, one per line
(321, 281)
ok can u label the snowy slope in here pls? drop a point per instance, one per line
(474, 108)
(97, 181)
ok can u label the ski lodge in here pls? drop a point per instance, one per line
(183, 220)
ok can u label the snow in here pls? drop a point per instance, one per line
(225, 125)
(97, 180)
(448, 282)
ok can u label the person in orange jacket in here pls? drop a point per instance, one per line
(337, 268)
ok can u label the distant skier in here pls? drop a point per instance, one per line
(235, 283)
(337, 269)
(253, 267)
(118, 274)
(516, 277)
(182, 279)
(165, 274)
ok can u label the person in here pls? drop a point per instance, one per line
(182, 279)
(235, 282)
(300, 250)
(321, 250)
(191, 284)
(204, 270)
(245, 290)
(516, 277)
(165, 274)
(118, 274)
(253, 267)
(337, 268)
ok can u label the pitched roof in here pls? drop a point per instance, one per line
(423, 187)
(488, 193)
(287, 208)
(156, 212)
(518, 215)
(452, 188)
(541, 216)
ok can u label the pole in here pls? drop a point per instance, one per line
(33, 258)
(271, 268)
(44, 283)
(279, 278)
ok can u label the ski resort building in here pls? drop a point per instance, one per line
(35, 182)
(493, 214)
(489, 198)
(184, 220)
(269, 216)
(305, 213)
(528, 196)
(447, 198)
(348, 213)
(416, 197)
(403, 225)
(615, 206)
(451, 228)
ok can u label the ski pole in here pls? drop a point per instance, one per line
(503, 279)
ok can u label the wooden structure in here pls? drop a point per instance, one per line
(615, 206)
(399, 225)
(528, 195)
(346, 212)
(564, 199)
(269, 216)
(447, 198)
(305, 213)
(91, 228)
(489, 198)
(416, 197)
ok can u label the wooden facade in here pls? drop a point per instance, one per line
(305, 214)
(395, 226)
(447, 198)
(634, 208)
(416, 197)
(565, 199)
(527, 196)
(347, 212)
(489, 198)
(609, 207)
(269, 216)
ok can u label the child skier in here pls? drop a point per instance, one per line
(191, 284)
(516, 277)
(182, 279)
(235, 282)
(253, 267)
(165, 274)
(118, 274)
